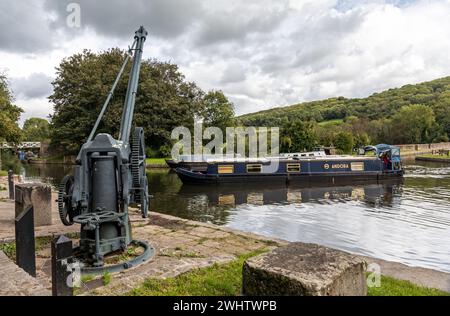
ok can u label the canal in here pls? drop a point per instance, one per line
(407, 221)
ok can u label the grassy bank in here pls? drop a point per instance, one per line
(223, 279)
(393, 287)
(226, 280)
(431, 156)
(157, 162)
(3, 173)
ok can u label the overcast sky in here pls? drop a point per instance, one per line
(262, 54)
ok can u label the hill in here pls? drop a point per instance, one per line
(434, 94)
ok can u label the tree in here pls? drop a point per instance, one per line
(297, 136)
(361, 140)
(413, 124)
(9, 114)
(217, 110)
(359, 114)
(36, 129)
(344, 142)
(164, 99)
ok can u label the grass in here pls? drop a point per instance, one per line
(155, 161)
(40, 243)
(226, 280)
(393, 287)
(3, 173)
(87, 278)
(106, 278)
(435, 156)
(331, 122)
(9, 249)
(223, 280)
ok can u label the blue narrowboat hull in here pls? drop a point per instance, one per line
(311, 171)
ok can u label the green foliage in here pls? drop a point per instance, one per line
(36, 129)
(413, 124)
(164, 100)
(9, 114)
(10, 162)
(223, 280)
(156, 161)
(106, 278)
(217, 110)
(226, 280)
(297, 136)
(87, 278)
(9, 249)
(344, 142)
(377, 115)
(393, 287)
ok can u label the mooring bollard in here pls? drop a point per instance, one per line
(62, 259)
(25, 248)
(11, 184)
(40, 196)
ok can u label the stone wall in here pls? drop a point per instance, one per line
(423, 147)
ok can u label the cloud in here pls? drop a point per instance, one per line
(24, 26)
(37, 85)
(118, 18)
(260, 53)
(34, 108)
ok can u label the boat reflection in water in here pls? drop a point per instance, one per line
(373, 194)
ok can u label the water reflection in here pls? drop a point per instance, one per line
(47, 173)
(406, 221)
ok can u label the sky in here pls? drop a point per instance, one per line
(261, 54)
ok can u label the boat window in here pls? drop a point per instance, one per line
(303, 155)
(357, 166)
(226, 169)
(293, 167)
(254, 168)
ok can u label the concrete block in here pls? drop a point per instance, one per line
(40, 196)
(305, 270)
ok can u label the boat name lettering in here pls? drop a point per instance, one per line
(337, 166)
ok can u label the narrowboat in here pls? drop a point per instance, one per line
(384, 163)
(200, 163)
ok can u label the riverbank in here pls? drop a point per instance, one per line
(195, 258)
(156, 163)
(413, 150)
(434, 158)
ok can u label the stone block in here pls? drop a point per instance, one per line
(40, 196)
(305, 270)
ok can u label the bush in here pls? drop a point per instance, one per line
(10, 162)
(344, 142)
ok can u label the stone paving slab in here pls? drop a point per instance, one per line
(182, 250)
(16, 282)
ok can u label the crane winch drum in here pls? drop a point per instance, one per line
(109, 176)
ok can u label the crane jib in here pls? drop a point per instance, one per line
(130, 98)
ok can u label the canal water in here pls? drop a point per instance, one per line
(406, 221)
